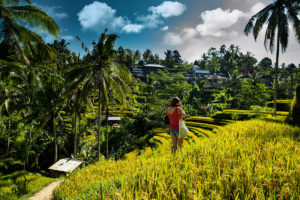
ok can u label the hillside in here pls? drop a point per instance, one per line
(242, 160)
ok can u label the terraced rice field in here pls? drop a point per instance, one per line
(82, 185)
(238, 161)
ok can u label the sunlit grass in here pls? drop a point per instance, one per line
(21, 184)
(258, 112)
(245, 160)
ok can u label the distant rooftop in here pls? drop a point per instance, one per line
(114, 118)
(202, 71)
(137, 70)
(66, 165)
(155, 65)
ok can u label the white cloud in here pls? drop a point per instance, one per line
(173, 39)
(119, 22)
(188, 33)
(150, 21)
(168, 9)
(132, 28)
(53, 12)
(216, 21)
(165, 28)
(192, 43)
(67, 37)
(99, 15)
(165, 10)
(96, 14)
(256, 8)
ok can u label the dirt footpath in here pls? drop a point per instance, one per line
(47, 192)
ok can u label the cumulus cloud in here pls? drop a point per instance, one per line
(95, 14)
(168, 9)
(216, 21)
(193, 41)
(243, 5)
(150, 21)
(165, 10)
(173, 39)
(54, 12)
(165, 28)
(256, 8)
(132, 28)
(119, 22)
(99, 15)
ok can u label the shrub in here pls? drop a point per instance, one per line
(281, 105)
(9, 165)
(259, 108)
(235, 115)
(295, 108)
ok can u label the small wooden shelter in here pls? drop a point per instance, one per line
(66, 165)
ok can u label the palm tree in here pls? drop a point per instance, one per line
(102, 74)
(277, 15)
(15, 15)
(63, 54)
(213, 65)
(10, 92)
(235, 81)
(146, 56)
(255, 78)
(50, 100)
(137, 56)
(78, 99)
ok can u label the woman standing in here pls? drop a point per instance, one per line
(175, 113)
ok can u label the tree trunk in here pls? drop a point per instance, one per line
(8, 138)
(28, 150)
(75, 134)
(99, 123)
(276, 74)
(107, 130)
(55, 138)
(79, 133)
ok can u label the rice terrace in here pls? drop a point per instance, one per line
(143, 100)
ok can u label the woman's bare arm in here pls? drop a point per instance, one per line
(181, 112)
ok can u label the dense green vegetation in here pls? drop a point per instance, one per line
(55, 104)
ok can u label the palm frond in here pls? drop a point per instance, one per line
(293, 18)
(262, 18)
(250, 25)
(83, 45)
(36, 17)
(270, 32)
(283, 27)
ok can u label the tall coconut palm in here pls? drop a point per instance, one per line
(101, 74)
(117, 90)
(50, 100)
(9, 92)
(78, 99)
(277, 16)
(235, 81)
(15, 15)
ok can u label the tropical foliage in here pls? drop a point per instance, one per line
(55, 103)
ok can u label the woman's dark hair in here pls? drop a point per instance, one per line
(174, 101)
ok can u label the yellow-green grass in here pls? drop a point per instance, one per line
(277, 118)
(257, 112)
(245, 160)
(209, 120)
(200, 132)
(202, 125)
(12, 186)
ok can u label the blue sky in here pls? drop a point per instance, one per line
(190, 26)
